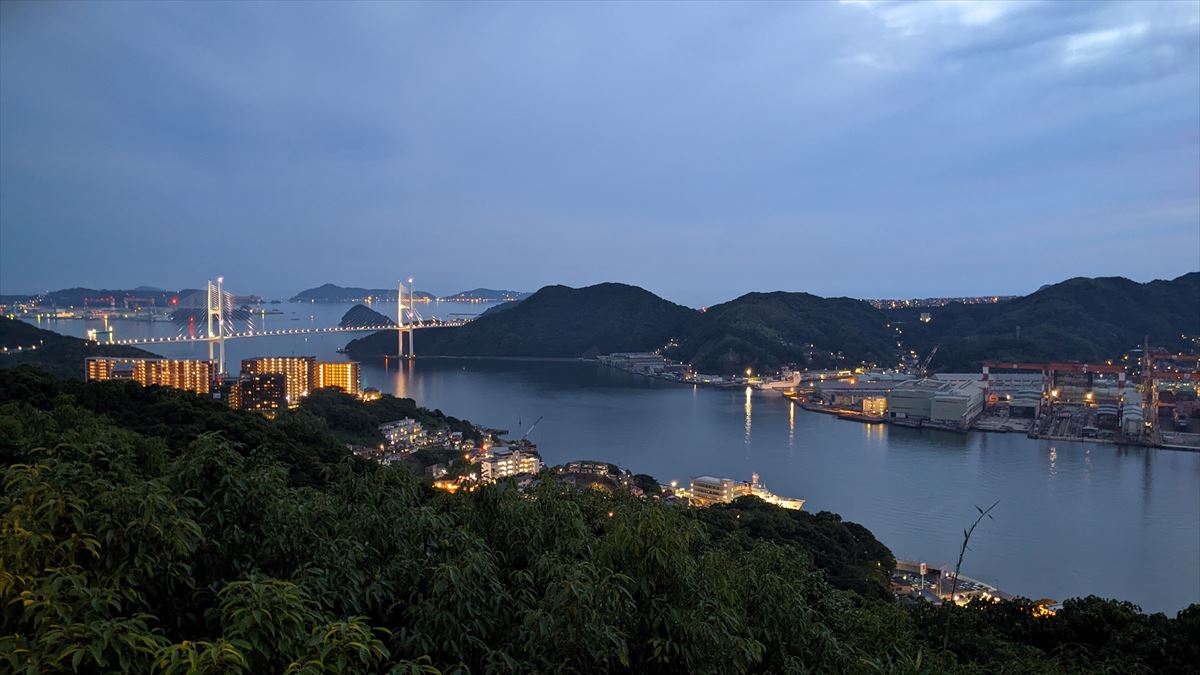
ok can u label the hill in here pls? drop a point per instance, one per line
(1078, 319)
(487, 295)
(165, 533)
(53, 352)
(764, 331)
(556, 321)
(92, 297)
(334, 293)
(1083, 319)
(361, 315)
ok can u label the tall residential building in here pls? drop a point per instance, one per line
(299, 373)
(343, 376)
(262, 393)
(190, 374)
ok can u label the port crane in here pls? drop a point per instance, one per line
(531, 426)
(924, 368)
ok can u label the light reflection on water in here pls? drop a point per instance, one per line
(749, 407)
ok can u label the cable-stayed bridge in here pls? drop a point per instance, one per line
(219, 324)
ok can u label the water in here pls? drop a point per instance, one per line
(1073, 518)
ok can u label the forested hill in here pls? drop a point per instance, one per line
(763, 331)
(335, 293)
(361, 315)
(149, 530)
(53, 352)
(1085, 319)
(1079, 319)
(556, 321)
(488, 295)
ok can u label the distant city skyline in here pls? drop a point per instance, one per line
(701, 151)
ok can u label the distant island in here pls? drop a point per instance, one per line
(335, 293)
(142, 296)
(486, 295)
(360, 316)
(1077, 319)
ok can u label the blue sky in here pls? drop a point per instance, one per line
(869, 149)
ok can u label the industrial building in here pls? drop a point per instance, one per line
(1133, 420)
(1025, 404)
(190, 374)
(853, 392)
(951, 404)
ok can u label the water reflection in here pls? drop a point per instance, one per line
(1053, 461)
(791, 423)
(749, 411)
(873, 432)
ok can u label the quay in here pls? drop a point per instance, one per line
(935, 582)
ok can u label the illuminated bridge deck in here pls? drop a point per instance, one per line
(285, 332)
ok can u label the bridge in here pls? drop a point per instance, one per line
(220, 305)
(432, 323)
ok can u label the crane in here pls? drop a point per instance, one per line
(531, 426)
(925, 364)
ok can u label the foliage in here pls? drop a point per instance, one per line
(852, 558)
(1079, 319)
(355, 421)
(361, 315)
(127, 545)
(647, 484)
(763, 331)
(335, 293)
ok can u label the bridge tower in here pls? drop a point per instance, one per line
(412, 324)
(216, 312)
(401, 327)
(399, 320)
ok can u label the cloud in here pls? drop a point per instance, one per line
(494, 144)
(1097, 44)
(868, 59)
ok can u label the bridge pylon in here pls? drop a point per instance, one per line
(216, 312)
(403, 328)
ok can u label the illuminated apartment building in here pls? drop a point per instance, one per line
(503, 462)
(190, 374)
(343, 376)
(264, 393)
(706, 490)
(299, 373)
(100, 369)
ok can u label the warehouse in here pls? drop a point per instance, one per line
(939, 403)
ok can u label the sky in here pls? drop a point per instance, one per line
(865, 149)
